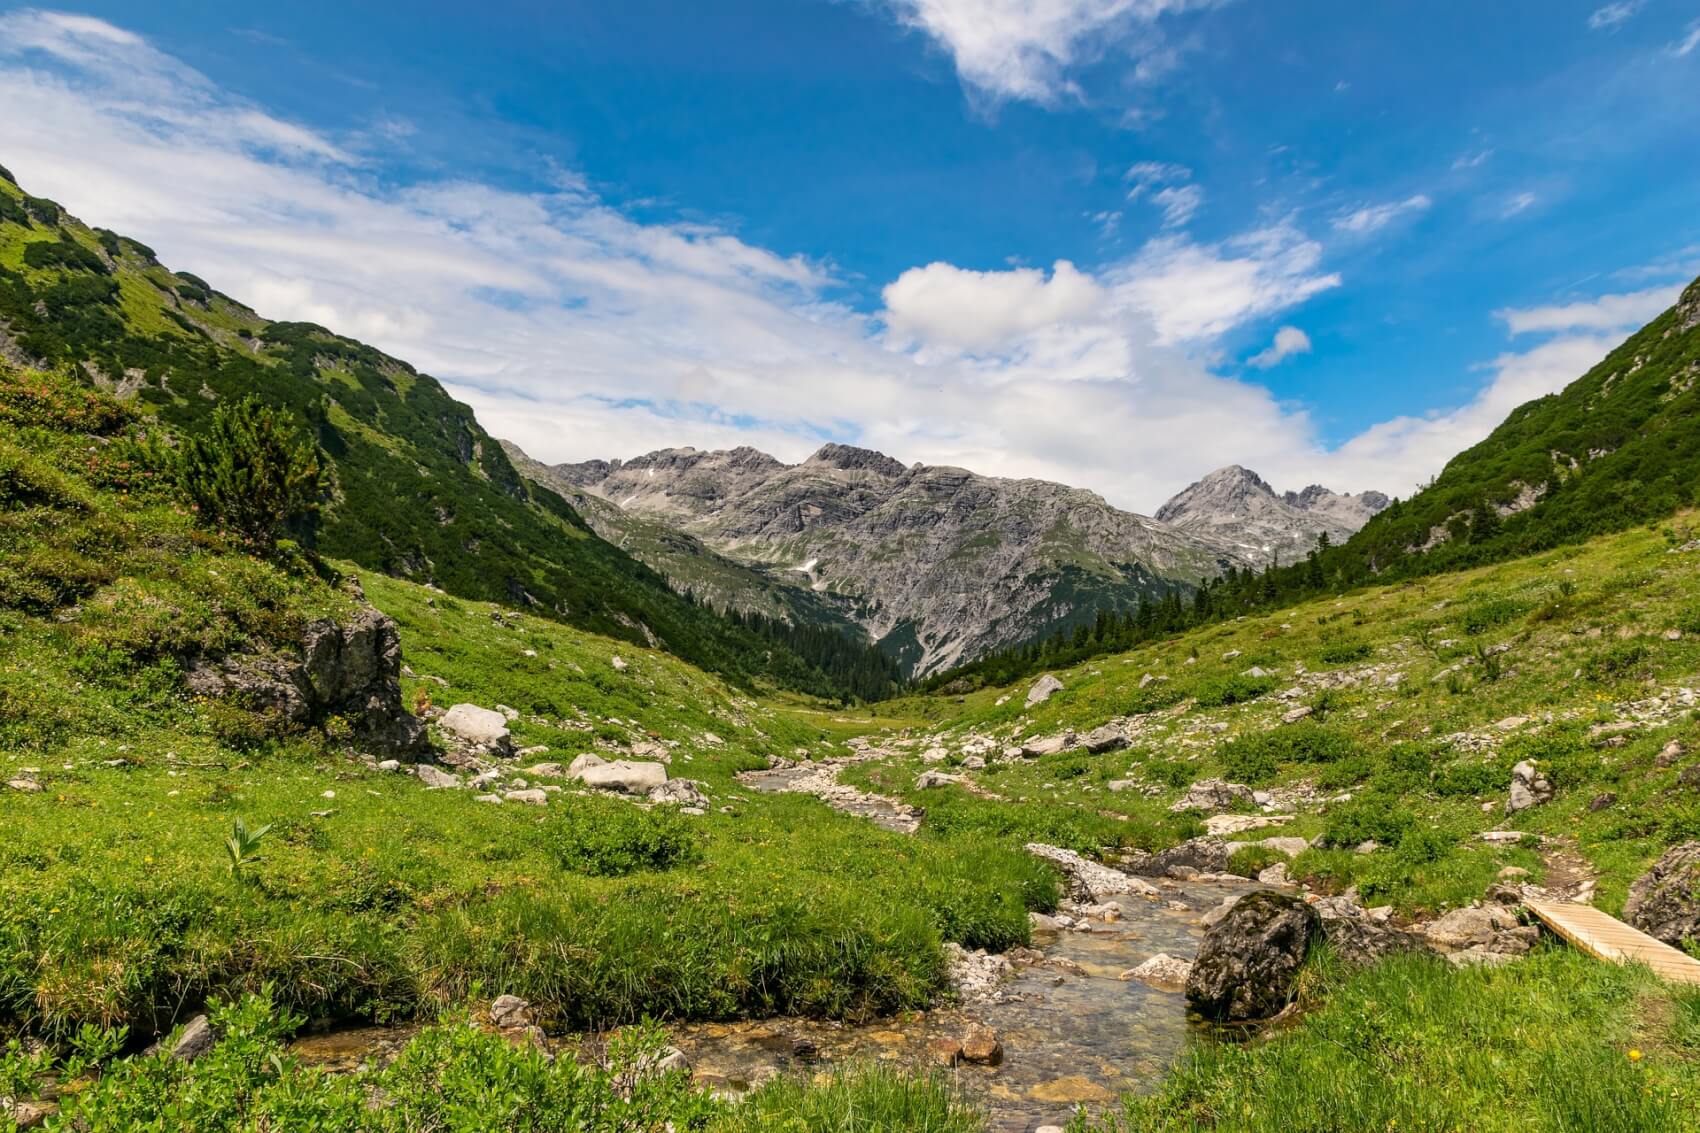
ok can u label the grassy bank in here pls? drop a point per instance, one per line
(1556, 1042)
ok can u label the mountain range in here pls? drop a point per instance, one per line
(939, 565)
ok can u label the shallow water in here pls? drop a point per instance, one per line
(1068, 1039)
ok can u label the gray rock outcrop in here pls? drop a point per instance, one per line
(1528, 788)
(1043, 689)
(1664, 902)
(350, 669)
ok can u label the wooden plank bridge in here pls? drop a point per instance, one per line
(1608, 938)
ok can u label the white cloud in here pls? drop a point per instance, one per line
(1373, 218)
(1195, 291)
(1288, 342)
(1025, 49)
(1688, 42)
(1608, 312)
(1614, 14)
(1169, 187)
(1516, 204)
(581, 332)
(1471, 160)
(945, 306)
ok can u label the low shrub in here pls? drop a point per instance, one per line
(1376, 817)
(601, 837)
(1216, 692)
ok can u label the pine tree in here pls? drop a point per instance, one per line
(248, 473)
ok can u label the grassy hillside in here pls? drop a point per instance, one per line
(420, 490)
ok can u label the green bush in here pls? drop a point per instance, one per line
(247, 472)
(1343, 652)
(1216, 692)
(601, 837)
(1258, 756)
(1377, 817)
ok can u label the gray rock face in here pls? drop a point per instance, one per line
(684, 792)
(954, 563)
(1089, 881)
(1236, 505)
(350, 669)
(1664, 902)
(1248, 965)
(626, 776)
(1360, 941)
(1688, 307)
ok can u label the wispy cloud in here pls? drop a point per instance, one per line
(1615, 14)
(1471, 160)
(1288, 342)
(1606, 312)
(1688, 42)
(1373, 218)
(1516, 203)
(1169, 187)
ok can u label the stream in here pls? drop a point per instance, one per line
(1073, 1032)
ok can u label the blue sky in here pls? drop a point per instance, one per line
(1112, 242)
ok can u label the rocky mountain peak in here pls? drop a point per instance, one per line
(1237, 504)
(1229, 490)
(853, 459)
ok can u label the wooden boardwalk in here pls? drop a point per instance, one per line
(1610, 939)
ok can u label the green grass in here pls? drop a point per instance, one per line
(1556, 1042)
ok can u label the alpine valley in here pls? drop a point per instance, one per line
(360, 773)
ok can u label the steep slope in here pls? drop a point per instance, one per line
(939, 564)
(1237, 505)
(420, 489)
(1619, 446)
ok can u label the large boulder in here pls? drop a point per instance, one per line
(1248, 965)
(1665, 901)
(1043, 689)
(350, 669)
(629, 777)
(471, 730)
